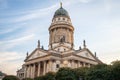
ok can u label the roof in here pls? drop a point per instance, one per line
(61, 12)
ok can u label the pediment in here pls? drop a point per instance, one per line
(86, 54)
(36, 53)
(61, 48)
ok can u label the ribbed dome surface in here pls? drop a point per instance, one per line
(61, 12)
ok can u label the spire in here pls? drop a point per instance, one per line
(84, 43)
(42, 47)
(95, 54)
(80, 48)
(27, 54)
(38, 43)
(60, 4)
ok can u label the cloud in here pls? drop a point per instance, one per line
(10, 62)
(22, 39)
(29, 15)
(2, 31)
(4, 45)
(37, 13)
(9, 56)
(85, 1)
(7, 29)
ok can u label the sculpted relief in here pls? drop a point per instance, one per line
(61, 35)
(37, 54)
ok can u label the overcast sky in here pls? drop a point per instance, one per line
(24, 22)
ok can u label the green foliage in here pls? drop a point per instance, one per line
(27, 79)
(50, 76)
(10, 77)
(2, 74)
(40, 78)
(116, 70)
(80, 72)
(65, 74)
(99, 72)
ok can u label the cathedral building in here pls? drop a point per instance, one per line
(61, 52)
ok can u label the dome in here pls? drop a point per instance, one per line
(61, 12)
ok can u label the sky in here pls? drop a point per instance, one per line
(24, 22)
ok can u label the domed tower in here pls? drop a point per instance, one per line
(61, 31)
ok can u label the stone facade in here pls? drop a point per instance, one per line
(61, 52)
(21, 73)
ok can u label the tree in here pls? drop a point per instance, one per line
(99, 72)
(65, 74)
(27, 79)
(47, 76)
(50, 76)
(80, 72)
(116, 70)
(10, 77)
(40, 78)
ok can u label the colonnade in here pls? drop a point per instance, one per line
(38, 68)
(76, 64)
(42, 67)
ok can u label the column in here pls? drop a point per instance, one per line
(69, 63)
(81, 64)
(27, 75)
(33, 71)
(50, 65)
(54, 66)
(47, 67)
(25, 72)
(72, 63)
(30, 72)
(88, 65)
(38, 69)
(84, 65)
(77, 64)
(44, 68)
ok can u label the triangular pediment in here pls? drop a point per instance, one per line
(62, 48)
(87, 54)
(36, 53)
